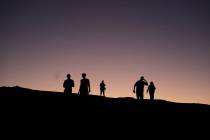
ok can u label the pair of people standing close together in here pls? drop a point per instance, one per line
(139, 88)
(84, 86)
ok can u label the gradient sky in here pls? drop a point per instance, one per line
(166, 41)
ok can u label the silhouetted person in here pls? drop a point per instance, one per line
(68, 84)
(84, 85)
(102, 88)
(139, 88)
(151, 88)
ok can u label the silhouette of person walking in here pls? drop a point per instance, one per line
(84, 85)
(102, 88)
(151, 88)
(68, 84)
(139, 88)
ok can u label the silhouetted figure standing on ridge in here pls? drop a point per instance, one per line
(84, 85)
(68, 84)
(139, 86)
(151, 88)
(102, 88)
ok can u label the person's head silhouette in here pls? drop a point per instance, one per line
(83, 75)
(68, 76)
(142, 78)
(102, 81)
(151, 83)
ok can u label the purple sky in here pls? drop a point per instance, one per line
(116, 41)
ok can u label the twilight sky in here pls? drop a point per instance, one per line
(166, 41)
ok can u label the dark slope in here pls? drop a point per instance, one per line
(94, 103)
(54, 111)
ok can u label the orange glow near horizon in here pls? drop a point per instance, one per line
(116, 41)
(120, 84)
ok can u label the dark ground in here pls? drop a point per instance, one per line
(54, 110)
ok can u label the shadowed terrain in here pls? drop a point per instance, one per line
(49, 109)
(97, 103)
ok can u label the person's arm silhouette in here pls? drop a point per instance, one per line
(148, 89)
(72, 83)
(80, 87)
(145, 82)
(134, 88)
(89, 85)
(64, 84)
